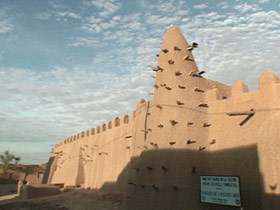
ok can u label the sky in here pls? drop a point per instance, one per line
(70, 65)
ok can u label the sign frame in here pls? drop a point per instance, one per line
(221, 204)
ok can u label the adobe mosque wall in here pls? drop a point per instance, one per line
(192, 127)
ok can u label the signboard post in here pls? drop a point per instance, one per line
(223, 190)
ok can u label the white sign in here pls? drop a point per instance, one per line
(223, 190)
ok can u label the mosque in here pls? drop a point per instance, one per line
(194, 133)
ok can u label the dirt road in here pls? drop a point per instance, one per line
(75, 200)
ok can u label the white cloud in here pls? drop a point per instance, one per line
(93, 28)
(245, 7)
(262, 1)
(235, 47)
(5, 23)
(106, 7)
(162, 20)
(56, 5)
(78, 99)
(61, 14)
(43, 16)
(200, 6)
(93, 19)
(223, 5)
(1, 56)
(74, 15)
(86, 42)
(232, 46)
(121, 24)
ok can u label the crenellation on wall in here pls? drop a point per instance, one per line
(98, 129)
(267, 81)
(125, 119)
(109, 125)
(92, 131)
(82, 134)
(117, 122)
(242, 100)
(239, 88)
(94, 147)
(103, 127)
(140, 104)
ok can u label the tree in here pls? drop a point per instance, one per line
(8, 160)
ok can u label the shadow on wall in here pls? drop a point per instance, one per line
(48, 171)
(169, 179)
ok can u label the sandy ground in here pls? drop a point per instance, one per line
(7, 189)
(75, 200)
(7, 197)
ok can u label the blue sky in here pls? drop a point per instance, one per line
(67, 66)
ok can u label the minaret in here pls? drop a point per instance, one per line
(178, 112)
(178, 78)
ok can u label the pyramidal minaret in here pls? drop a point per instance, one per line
(178, 78)
(179, 106)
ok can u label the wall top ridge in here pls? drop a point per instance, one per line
(117, 122)
(269, 89)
